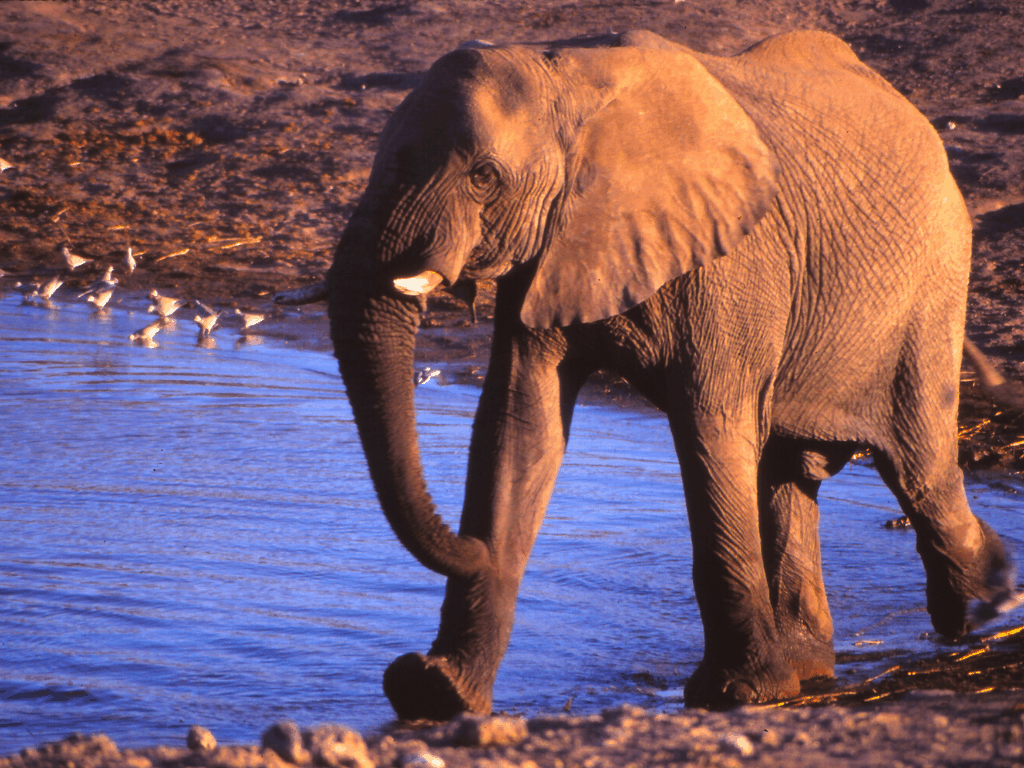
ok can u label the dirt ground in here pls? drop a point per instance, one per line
(226, 142)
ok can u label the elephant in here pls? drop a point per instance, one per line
(769, 247)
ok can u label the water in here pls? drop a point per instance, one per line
(190, 536)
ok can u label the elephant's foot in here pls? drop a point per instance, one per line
(808, 655)
(964, 592)
(717, 688)
(430, 688)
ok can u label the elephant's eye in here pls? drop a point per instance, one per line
(484, 176)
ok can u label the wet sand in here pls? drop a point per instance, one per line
(227, 143)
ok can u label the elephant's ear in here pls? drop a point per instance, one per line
(666, 175)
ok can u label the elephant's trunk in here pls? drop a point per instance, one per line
(374, 339)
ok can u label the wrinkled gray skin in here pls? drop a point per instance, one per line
(600, 184)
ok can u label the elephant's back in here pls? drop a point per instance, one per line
(876, 234)
(812, 98)
(865, 189)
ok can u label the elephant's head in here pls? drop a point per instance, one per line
(597, 174)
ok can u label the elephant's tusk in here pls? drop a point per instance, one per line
(418, 285)
(315, 292)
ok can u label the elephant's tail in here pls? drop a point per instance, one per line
(1004, 392)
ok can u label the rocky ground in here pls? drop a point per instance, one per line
(928, 729)
(226, 143)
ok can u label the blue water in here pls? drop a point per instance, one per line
(190, 536)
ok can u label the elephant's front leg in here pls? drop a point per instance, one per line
(743, 662)
(518, 442)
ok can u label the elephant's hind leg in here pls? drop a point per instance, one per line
(789, 476)
(964, 559)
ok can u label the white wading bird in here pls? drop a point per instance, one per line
(73, 261)
(50, 288)
(249, 319)
(106, 282)
(425, 375)
(100, 298)
(147, 333)
(129, 262)
(164, 306)
(208, 323)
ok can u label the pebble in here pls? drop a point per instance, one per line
(738, 744)
(770, 738)
(285, 739)
(421, 760)
(200, 739)
(483, 731)
(337, 747)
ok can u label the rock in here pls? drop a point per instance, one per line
(892, 722)
(624, 712)
(337, 747)
(385, 751)
(488, 731)
(76, 750)
(285, 739)
(199, 739)
(738, 744)
(770, 738)
(421, 760)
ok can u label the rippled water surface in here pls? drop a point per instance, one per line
(190, 536)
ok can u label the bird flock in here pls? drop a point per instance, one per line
(102, 290)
